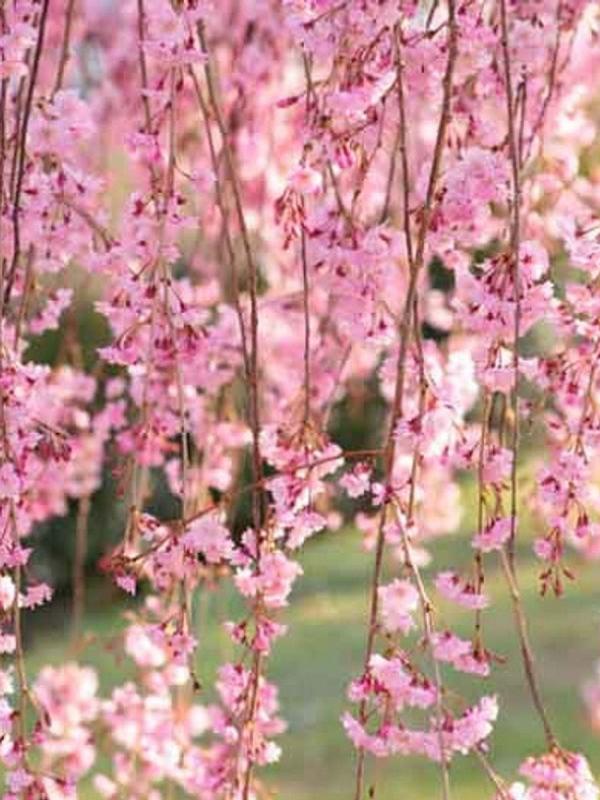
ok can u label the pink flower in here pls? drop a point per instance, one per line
(534, 261)
(545, 549)
(127, 583)
(8, 643)
(559, 774)
(7, 592)
(475, 725)
(452, 587)
(305, 180)
(209, 537)
(273, 580)
(460, 653)
(357, 481)
(448, 647)
(10, 485)
(494, 536)
(398, 682)
(497, 465)
(141, 645)
(361, 739)
(36, 596)
(399, 600)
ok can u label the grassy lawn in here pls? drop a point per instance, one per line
(324, 649)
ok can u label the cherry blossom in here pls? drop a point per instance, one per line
(284, 215)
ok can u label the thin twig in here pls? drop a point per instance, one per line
(65, 51)
(22, 152)
(257, 467)
(405, 331)
(508, 556)
(526, 649)
(81, 535)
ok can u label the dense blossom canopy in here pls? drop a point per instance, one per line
(274, 203)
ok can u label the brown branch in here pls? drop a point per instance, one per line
(508, 556)
(403, 146)
(257, 467)
(22, 151)
(526, 649)
(252, 271)
(78, 578)
(426, 606)
(539, 123)
(515, 244)
(405, 331)
(224, 211)
(65, 52)
(306, 314)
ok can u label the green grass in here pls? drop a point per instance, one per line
(324, 648)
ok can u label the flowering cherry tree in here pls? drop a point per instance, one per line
(259, 195)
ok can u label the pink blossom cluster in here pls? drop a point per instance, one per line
(279, 208)
(554, 776)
